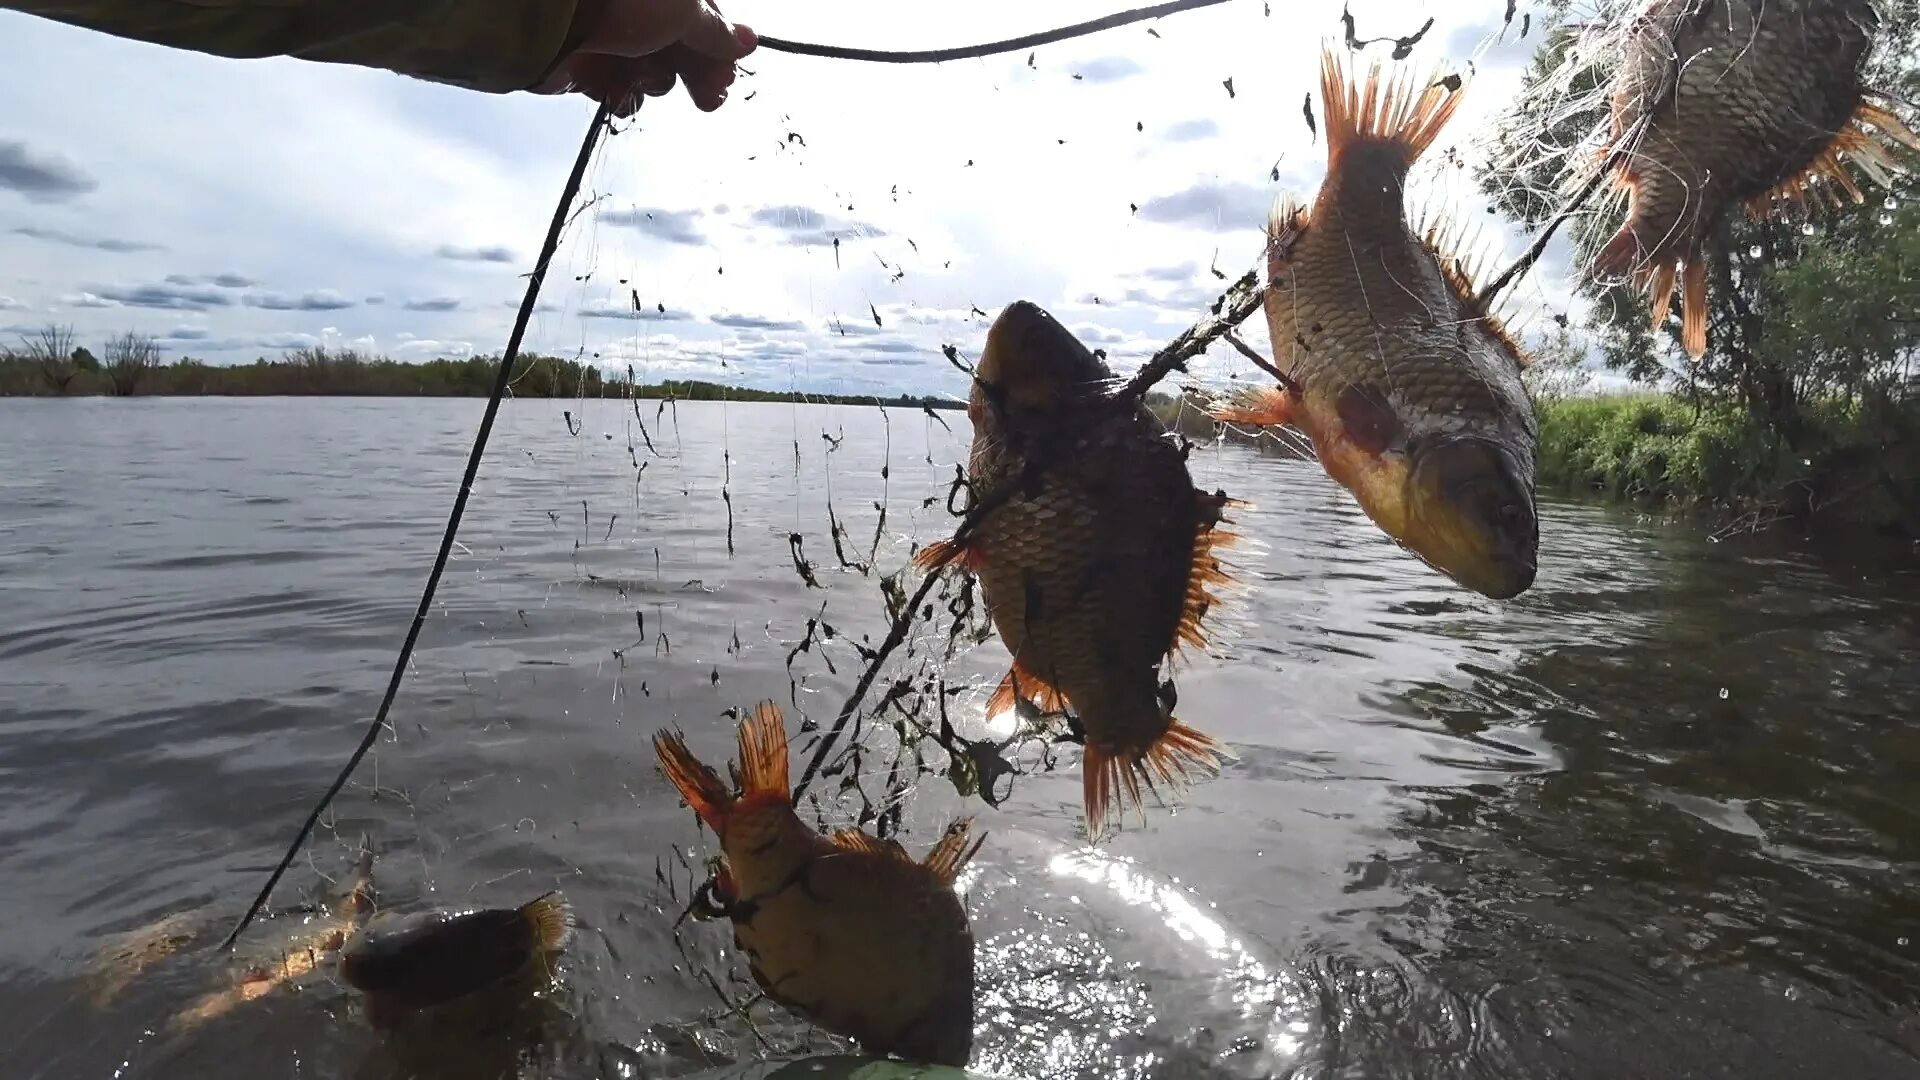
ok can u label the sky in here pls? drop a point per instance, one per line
(235, 209)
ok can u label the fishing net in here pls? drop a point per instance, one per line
(651, 544)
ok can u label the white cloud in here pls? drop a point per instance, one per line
(356, 185)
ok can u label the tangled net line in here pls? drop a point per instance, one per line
(974, 766)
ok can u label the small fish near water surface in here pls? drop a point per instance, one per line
(1095, 553)
(299, 956)
(405, 964)
(846, 930)
(1758, 102)
(1408, 387)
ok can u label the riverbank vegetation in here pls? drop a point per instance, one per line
(50, 363)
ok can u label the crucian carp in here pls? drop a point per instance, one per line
(1408, 387)
(1758, 102)
(1095, 553)
(846, 930)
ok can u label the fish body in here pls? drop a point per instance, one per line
(1094, 552)
(407, 963)
(1738, 101)
(1408, 387)
(302, 954)
(846, 930)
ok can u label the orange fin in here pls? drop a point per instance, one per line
(551, 919)
(1286, 226)
(1852, 143)
(1113, 778)
(1381, 114)
(1021, 684)
(1693, 307)
(855, 840)
(697, 783)
(942, 552)
(1205, 572)
(763, 753)
(952, 854)
(1267, 406)
(1659, 288)
(1463, 262)
(1623, 253)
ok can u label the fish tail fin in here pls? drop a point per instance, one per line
(1113, 775)
(763, 753)
(1381, 113)
(1856, 142)
(1693, 307)
(696, 781)
(954, 851)
(551, 918)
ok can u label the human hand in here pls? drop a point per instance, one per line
(620, 50)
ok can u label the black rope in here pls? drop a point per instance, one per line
(453, 520)
(560, 219)
(968, 52)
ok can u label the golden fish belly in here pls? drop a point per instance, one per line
(864, 950)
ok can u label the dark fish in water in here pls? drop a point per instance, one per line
(848, 931)
(1737, 101)
(1409, 388)
(407, 963)
(1096, 563)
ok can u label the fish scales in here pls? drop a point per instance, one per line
(1094, 554)
(1736, 101)
(1408, 387)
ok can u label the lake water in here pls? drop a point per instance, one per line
(1658, 817)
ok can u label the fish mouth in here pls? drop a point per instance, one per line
(1474, 517)
(1031, 361)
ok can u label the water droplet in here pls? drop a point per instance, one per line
(1723, 693)
(1807, 229)
(1754, 251)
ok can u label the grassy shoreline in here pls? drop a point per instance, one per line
(1852, 464)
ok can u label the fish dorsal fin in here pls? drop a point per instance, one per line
(552, 920)
(858, 841)
(763, 752)
(1382, 113)
(1463, 256)
(1204, 572)
(954, 851)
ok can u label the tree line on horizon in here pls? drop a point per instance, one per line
(49, 363)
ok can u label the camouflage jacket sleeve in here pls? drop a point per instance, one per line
(495, 46)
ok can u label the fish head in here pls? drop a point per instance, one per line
(1031, 365)
(1470, 513)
